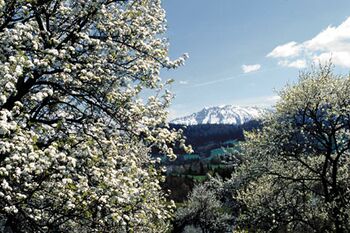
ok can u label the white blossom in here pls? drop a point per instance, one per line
(75, 131)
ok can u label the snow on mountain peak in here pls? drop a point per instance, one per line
(225, 114)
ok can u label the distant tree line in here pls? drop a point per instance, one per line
(205, 134)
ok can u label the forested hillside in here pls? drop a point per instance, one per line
(206, 134)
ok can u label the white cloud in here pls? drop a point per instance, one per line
(250, 68)
(286, 50)
(332, 38)
(338, 58)
(299, 63)
(183, 82)
(273, 98)
(333, 42)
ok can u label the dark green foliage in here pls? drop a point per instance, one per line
(202, 136)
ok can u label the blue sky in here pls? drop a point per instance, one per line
(242, 51)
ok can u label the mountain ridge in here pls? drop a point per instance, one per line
(224, 114)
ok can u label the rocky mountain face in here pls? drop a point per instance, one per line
(228, 114)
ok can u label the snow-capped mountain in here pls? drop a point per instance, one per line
(228, 114)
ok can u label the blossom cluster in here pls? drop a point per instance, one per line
(75, 126)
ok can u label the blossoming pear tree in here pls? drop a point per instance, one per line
(296, 176)
(75, 124)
